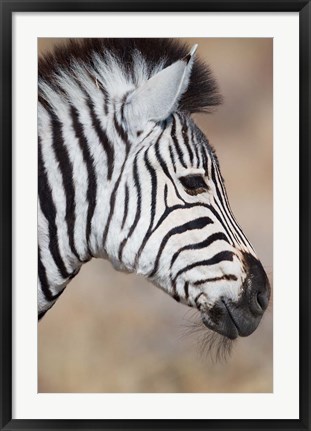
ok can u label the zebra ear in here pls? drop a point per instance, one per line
(157, 98)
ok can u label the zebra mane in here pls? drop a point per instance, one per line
(121, 64)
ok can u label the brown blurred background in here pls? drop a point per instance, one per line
(114, 332)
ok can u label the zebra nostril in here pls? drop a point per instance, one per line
(259, 300)
(257, 291)
(263, 299)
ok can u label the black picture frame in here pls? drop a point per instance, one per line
(7, 10)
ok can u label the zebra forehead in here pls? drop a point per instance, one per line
(120, 64)
(197, 137)
(179, 132)
(204, 143)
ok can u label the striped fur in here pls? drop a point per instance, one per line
(130, 179)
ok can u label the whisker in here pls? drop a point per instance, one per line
(211, 345)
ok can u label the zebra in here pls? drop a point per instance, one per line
(126, 175)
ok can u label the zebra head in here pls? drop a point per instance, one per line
(178, 228)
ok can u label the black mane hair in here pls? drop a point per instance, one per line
(201, 96)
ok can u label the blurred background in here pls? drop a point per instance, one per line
(115, 332)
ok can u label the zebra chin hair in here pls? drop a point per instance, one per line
(129, 62)
(211, 345)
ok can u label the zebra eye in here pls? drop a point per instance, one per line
(194, 184)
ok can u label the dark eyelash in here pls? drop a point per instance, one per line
(194, 184)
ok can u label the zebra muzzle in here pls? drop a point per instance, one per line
(241, 318)
(229, 320)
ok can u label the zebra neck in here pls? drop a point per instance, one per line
(81, 157)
